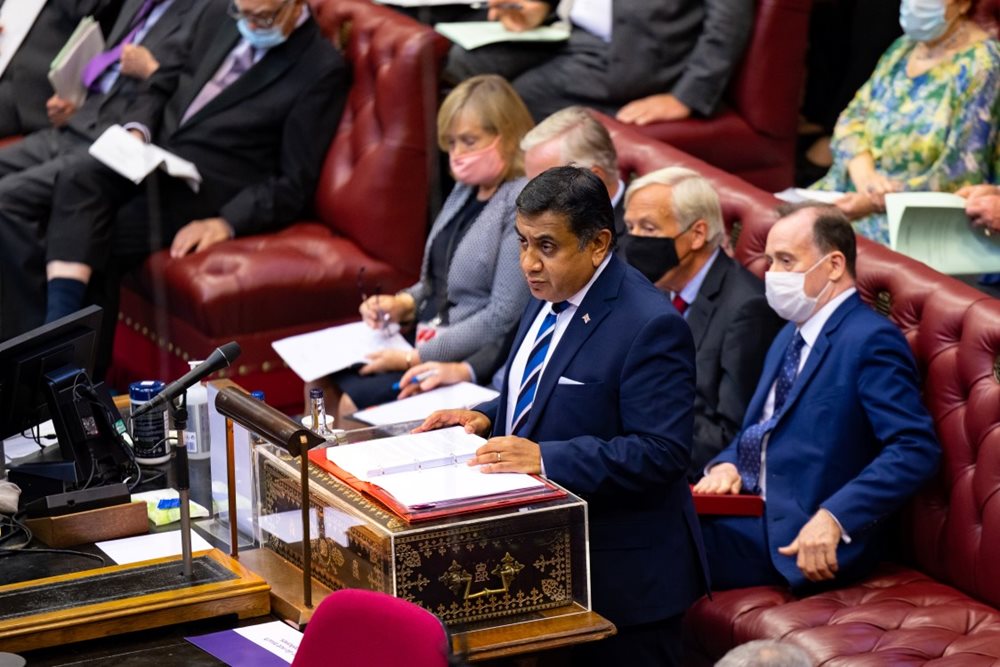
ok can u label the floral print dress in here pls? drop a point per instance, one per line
(936, 131)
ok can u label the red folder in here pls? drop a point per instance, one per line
(436, 511)
(728, 504)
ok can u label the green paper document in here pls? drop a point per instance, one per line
(473, 34)
(932, 227)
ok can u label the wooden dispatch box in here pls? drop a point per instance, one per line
(474, 570)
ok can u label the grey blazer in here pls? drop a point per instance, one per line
(485, 285)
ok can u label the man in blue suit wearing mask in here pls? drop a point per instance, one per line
(835, 437)
(598, 396)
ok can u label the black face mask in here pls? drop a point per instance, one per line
(653, 256)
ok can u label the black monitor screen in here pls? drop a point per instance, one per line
(24, 361)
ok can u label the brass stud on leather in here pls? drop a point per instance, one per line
(883, 303)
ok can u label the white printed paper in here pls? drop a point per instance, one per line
(320, 353)
(275, 637)
(932, 227)
(118, 149)
(419, 406)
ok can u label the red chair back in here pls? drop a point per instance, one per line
(358, 628)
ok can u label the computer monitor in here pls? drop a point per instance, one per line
(41, 375)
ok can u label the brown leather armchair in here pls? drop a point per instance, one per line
(938, 601)
(753, 134)
(370, 221)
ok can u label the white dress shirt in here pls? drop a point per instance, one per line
(594, 16)
(520, 360)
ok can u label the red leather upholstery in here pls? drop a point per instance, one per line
(371, 212)
(753, 134)
(944, 610)
(357, 628)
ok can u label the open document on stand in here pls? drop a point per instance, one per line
(932, 227)
(320, 353)
(130, 157)
(422, 470)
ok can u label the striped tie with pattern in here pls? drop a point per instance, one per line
(533, 367)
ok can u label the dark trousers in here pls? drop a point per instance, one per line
(28, 174)
(656, 644)
(738, 552)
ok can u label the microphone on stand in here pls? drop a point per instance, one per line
(223, 356)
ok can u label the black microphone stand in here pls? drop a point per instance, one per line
(179, 416)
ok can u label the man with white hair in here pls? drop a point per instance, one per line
(572, 136)
(675, 234)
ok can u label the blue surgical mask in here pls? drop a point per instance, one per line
(923, 20)
(261, 38)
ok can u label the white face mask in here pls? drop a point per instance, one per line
(785, 293)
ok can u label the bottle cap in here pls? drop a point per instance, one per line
(145, 390)
(316, 392)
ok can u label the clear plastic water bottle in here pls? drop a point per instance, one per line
(197, 437)
(321, 424)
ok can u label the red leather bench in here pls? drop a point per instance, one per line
(753, 134)
(371, 213)
(938, 603)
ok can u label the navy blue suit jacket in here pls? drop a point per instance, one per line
(621, 439)
(854, 438)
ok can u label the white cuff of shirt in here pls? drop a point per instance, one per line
(844, 537)
(146, 135)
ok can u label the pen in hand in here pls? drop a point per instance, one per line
(416, 379)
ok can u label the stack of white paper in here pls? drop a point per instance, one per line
(419, 406)
(66, 71)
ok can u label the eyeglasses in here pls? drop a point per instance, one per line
(263, 19)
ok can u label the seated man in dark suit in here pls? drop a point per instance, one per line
(24, 84)
(647, 60)
(144, 35)
(598, 397)
(254, 109)
(835, 438)
(675, 239)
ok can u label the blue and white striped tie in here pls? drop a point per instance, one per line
(533, 368)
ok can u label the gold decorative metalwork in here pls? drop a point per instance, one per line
(460, 581)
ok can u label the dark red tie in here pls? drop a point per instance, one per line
(680, 304)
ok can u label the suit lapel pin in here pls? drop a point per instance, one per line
(586, 318)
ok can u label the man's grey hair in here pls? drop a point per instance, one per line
(691, 195)
(585, 142)
(766, 653)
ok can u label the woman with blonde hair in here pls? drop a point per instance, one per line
(471, 292)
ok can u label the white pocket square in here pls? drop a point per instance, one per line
(565, 380)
